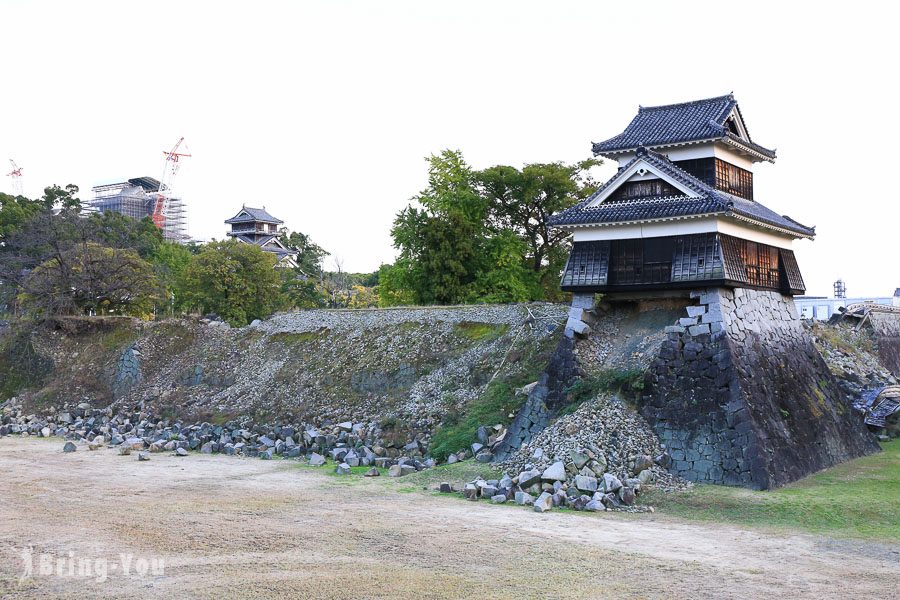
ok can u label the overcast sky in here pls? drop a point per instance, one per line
(324, 111)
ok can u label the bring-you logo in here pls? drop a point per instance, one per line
(98, 569)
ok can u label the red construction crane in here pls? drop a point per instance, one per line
(16, 175)
(161, 208)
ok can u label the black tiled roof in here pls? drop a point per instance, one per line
(704, 201)
(679, 123)
(255, 214)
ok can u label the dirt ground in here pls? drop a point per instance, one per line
(227, 527)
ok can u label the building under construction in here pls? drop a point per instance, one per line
(140, 197)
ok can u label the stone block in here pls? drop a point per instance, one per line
(687, 321)
(698, 329)
(583, 301)
(696, 311)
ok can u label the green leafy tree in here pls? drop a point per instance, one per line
(483, 236)
(170, 260)
(61, 198)
(302, 292)
(15, 211)
(522, 201)
(440, 242)
(119, 231)
(237, 281)
(309, 254)
(91, 279)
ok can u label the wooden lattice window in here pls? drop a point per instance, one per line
(757, 264)
(734, 180)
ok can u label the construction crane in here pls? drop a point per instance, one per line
(16, 175)
(170, 169)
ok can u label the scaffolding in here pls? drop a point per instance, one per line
(136, 198)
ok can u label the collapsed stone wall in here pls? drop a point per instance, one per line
(549, 393)
(886, 327)
(741, 396)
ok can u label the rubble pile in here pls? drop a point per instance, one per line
(602, 437)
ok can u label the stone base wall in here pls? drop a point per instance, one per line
(741, 396)
(546, 396)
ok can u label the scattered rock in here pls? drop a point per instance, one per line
(69, 447)
(544, 502)
(555, 472)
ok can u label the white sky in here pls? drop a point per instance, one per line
(324, 111)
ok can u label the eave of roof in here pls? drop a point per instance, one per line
(692, 122)
(255, 215)
(704, 201)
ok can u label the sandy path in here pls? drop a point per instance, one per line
(228, 527)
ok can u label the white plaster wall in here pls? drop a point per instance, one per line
(681, 227)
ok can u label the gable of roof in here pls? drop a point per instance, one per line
(269, 244)
(710, 119)
(698, 200)
(250, 215)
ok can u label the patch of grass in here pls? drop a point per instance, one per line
(627, 382)
(118, 337)
(291, 339)
(458, 473)
(858, 499)
(479, 332)
(21, 367)
(844, 338)
(458, 431)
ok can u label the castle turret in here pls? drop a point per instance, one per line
(681, 212)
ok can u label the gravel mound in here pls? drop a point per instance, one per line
(610, 433)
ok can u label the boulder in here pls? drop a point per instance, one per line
(342, 469)
(69, 447)
(641, 463)
(626, 495)
(143, 456)
(544, 502)
(124, 450)
(181, 452)
(470, 492)
(646, 477)
(498, 499)
(586, 484)
(482, 435)
(595, 506)
(373, 472)
(529, 478)
(395, 471)
(485, 456)
(555, 472)
(316, 460)
(611, 483)
(445, 487)
(579, 459)
(206, 448)
(524, 499)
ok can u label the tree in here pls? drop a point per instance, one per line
(15, 211)
(523, 201)
(237, 281)
(169, 261)
(119, 231)
(91, 279)
(309, 255)
(439, 243)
